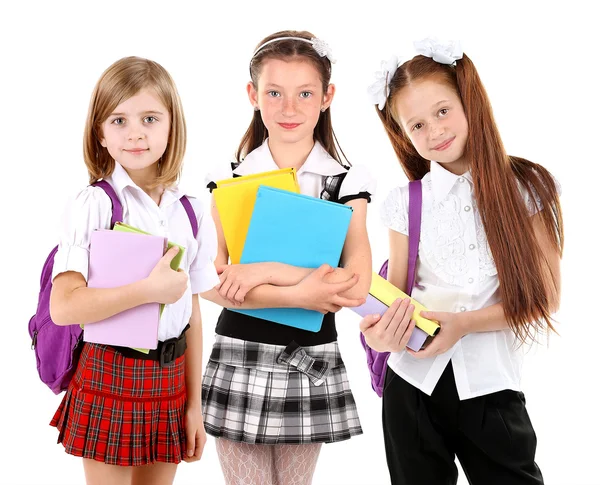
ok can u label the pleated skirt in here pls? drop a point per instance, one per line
(123, 411)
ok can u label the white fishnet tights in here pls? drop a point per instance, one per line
(246, 464)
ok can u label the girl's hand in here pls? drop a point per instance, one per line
(389, 332)
(195, 433)
(165, 285)
(451, 331)
(315, 294)
(238, 279)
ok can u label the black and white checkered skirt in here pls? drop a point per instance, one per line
(272, 394)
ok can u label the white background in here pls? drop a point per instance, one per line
(535, 61)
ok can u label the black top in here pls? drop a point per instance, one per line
(237, 325)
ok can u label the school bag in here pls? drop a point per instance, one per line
(377, 361)
(57, 347)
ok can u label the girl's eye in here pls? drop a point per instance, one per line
(444, 111)
(417, 127)
(305, 94)
(118, 121)
(150, 119)
(274, 94)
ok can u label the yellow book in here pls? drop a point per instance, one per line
(235, 199)
(387, 293)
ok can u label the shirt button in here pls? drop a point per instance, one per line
(463, 309)
(467, 208)
(471, 246)
(461, 180)
(471, 280)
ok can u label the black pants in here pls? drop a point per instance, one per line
(491, 435)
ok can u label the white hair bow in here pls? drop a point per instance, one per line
(322, 49)
(443, 52)
(447, 52)
(380, 89)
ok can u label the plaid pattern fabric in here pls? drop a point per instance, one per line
(331, 187)
(296, 357)
(123, 411)
(270, 394)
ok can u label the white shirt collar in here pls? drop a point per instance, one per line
(318, 162)
(443, 180)
(120, 180)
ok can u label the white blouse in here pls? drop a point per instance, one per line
(91, 209)
(456, 273)
(311, 176)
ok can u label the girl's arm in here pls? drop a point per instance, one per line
(277, 274)
(194, 426)
(238, 280)
(193, 355)
(356, 259)
(265, 296)
(398, 261)
(72, 302)
(356, 255)
(277, 285)
(312, 293)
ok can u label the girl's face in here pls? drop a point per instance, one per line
(290, 98)
(136, 133)
(431, 114)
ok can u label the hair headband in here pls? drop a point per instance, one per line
(318, 45)
(443, 52)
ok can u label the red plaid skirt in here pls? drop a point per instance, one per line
(123, 411)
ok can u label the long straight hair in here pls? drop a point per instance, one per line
(525, 292)
(287, 50)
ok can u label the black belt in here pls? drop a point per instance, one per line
(166, 352)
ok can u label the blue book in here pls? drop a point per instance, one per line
(298, 230)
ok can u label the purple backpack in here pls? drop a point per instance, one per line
(57, 347)
(377, 361)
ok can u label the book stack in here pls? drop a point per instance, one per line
(268, 221)
(381, 295)
(235, 199)
(120, 257)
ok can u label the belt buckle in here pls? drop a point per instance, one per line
(167, 353)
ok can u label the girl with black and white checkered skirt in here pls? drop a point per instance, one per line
(272, 394)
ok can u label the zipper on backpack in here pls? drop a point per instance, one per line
(34, 341)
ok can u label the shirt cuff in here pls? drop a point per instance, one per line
(203, 279)
(71, 258)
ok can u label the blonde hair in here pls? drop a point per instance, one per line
(122, 80)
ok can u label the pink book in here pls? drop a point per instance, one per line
(117, 259)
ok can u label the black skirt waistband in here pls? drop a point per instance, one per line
(166, 352)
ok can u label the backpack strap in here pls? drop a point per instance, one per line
(117, 208)
(187, 205)
(415, 202)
